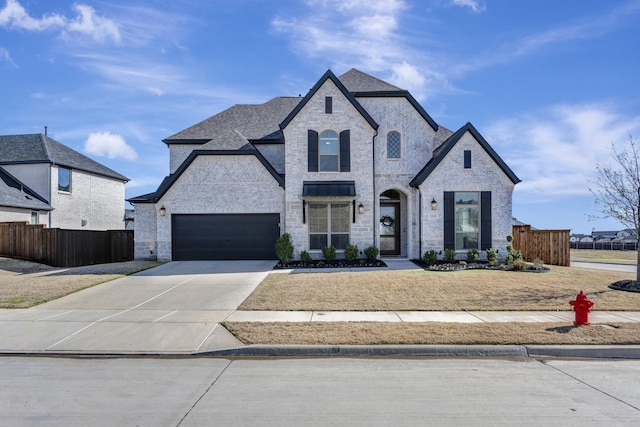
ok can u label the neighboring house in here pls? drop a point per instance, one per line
(356, 161)
(580, 238)
(45, 182)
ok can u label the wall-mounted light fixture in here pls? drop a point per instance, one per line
(360, 209)
(434, 204)
(163, 210)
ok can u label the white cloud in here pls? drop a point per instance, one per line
(109, 145)
(365, 34)
(5, 57)
(475, 6)
(15, 16)
(555, 151)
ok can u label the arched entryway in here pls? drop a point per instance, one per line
(390, 220)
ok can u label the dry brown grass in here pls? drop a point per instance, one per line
(378, 333)
(425, 290)
(25, 284)
(612, 257)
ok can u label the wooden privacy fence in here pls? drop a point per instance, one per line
(549, 246)
(64, 248)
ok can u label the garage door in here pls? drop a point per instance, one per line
(224, 237)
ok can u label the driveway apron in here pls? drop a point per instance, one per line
(173, 308)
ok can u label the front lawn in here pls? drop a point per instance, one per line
(440, 291)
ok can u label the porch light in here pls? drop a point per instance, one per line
(360, 209)
(163, 211)
(434, 204)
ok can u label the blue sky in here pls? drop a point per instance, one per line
(550, 84)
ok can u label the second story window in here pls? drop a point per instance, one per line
(329, 149)
(393, 145)
(64, 179)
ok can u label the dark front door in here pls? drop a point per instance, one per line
(224, 236)
(389, 228)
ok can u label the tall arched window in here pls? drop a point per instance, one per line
(393, 145)
(329, 149)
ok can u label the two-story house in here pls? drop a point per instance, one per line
(45, 182)
(355, 161)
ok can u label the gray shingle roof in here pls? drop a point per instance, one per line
(39, 148)
(13, 193)
(357, 81)
(234, 127)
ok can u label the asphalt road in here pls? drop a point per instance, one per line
(40, 391)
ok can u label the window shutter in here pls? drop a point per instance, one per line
(449, 220)
(312, 150)
(485, 220)
(345, 151)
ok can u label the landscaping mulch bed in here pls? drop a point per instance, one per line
(477, 265)
(626, 285)
(338, 263)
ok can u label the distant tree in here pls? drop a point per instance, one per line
(617, 188)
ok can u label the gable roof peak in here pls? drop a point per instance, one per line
(357, 81)
(328, 75)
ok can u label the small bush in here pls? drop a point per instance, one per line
(284, 248)
(329, 253)
(351, 252)
(450, 255)
(371, 252)
(430, 257)
(519, 265)
(305, 257)
(473, 255)
(492, 255)
(538, 263)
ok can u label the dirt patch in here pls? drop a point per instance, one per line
(25, 284)
(378, 333)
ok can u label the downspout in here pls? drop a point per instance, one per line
(419, 223)
(373, 175)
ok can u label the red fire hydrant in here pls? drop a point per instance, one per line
(582, 307)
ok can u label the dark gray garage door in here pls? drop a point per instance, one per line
(220, 237)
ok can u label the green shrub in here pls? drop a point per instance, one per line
(371, 252)
(450, 255)
(284, 248)
(472, 255)
(351, 252)
(329, 253)
(430, 257)
(305, 257)
(492, 255)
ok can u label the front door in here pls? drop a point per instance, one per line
(389, 228)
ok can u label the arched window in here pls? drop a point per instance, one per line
(393, 145)
(329, 149)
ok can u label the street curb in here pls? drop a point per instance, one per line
(533, 351)
(585, 351)
(373, 351)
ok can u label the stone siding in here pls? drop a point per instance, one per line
(178, 153)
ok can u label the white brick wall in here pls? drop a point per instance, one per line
(343, 117)
(8, 214)
(178, 153)
(214, 184)
(97, 200)
(450, 175)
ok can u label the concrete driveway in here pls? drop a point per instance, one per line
(173, 308)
